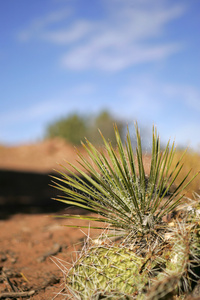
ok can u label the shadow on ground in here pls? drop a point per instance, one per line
(27, 192)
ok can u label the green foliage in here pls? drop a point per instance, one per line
(114, 185)
(75, 128)
(104, 122)
(153, 260)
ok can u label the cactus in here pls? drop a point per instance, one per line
(145, 263)
(115, 271)
(106, 268)
(182, 268)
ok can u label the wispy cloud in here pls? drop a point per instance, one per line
(129, 33)
(75, 32)
(37, 28)
(92, 56)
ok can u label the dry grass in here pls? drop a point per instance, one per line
(191, 162)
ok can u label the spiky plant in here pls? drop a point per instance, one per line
(106, 269)
(113, 184)
(181, 272)
(114, 271)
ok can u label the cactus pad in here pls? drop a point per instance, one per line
(107, 268)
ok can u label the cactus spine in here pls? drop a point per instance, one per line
(115, 187)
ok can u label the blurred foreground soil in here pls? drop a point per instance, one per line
(29, 236)
(28, 245)
(25, 176)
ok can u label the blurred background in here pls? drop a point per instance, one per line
(69, 67)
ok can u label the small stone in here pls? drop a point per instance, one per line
(3, 258)
(13, 260)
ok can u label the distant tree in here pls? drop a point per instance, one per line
(73, 129)
(104, 122)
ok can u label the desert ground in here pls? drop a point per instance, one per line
(31, 239)
(36, 250)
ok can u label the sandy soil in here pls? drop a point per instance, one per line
(28, 244)
(41, 157)
(28, 241)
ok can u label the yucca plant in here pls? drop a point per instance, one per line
(113, 184)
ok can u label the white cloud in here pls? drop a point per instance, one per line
(76, 32)
(37, 27)
(123, 40)
(98, 57)
(129, 33)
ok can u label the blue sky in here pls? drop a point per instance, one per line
(139, 59)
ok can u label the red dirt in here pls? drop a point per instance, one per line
(39, 157)
(27, 241)
(27, 245)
